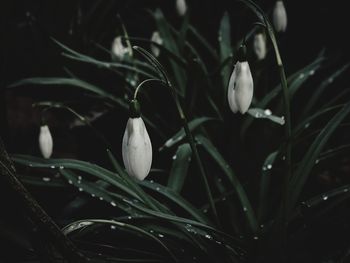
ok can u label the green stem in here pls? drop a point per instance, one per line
(195, 152)
(141, 84)
(188, 133)
(288, 132)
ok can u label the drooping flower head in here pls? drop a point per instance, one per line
(118, 49)
(136, 146)
(240, 87)
(279, 16)
(259, 45)
(181, 7)
(45, 141)
(157, 39)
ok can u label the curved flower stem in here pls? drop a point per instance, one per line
(165, 81)
(142, 83)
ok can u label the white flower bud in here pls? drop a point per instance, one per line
(118, 50)
(279, 17)
(181, 7)
(45, 141)
(259, 46)
(240, 88)
(157, 39)
(137, 149)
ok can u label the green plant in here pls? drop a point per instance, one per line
(236, 222)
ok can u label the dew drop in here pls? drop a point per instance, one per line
(174, 157)
(160, 235)
(346, 190)
(79, 178)
(46, 179)
(245, 209)
(129, 217)
(113, 227)
(70, 181)
(307, 125)
(268, 112)
(255, 238)
(301, 75)
(157, 188)
(80, 189)
(325, 197)
(208, 236)
(330, 80)
(317, 161)
(52, 167)
(113, 204)
(61, 167)
(101, 198)
(269, 166)
(312, 72)
(133, 82)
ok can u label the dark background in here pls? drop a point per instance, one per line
(27, 51)
(26, 28)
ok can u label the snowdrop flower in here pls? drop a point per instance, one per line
(137, 147)
(45, 141)
(259, 46)
(157, 39)
(279, 17)
(240, 87)
(181, 7)
(118, 50)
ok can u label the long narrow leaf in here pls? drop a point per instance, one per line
(241, 194)
(304, 169)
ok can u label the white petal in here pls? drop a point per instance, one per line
(45, 141)
(231, 92)
(157, 39)
(137, 149)
(279, 17)
(259, 46)
(244, 86)
(181, 7)
(118, 50)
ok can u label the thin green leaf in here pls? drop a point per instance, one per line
(177, 199)
(201, 39)
(179, 169)
(89, 222)
(94, 190)
(225, 47)
(181, 133)
(92, 169)
(265, 184)
(265, 114)
(312, 154)
(70, 82)
(241, 194)
(318, 92)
